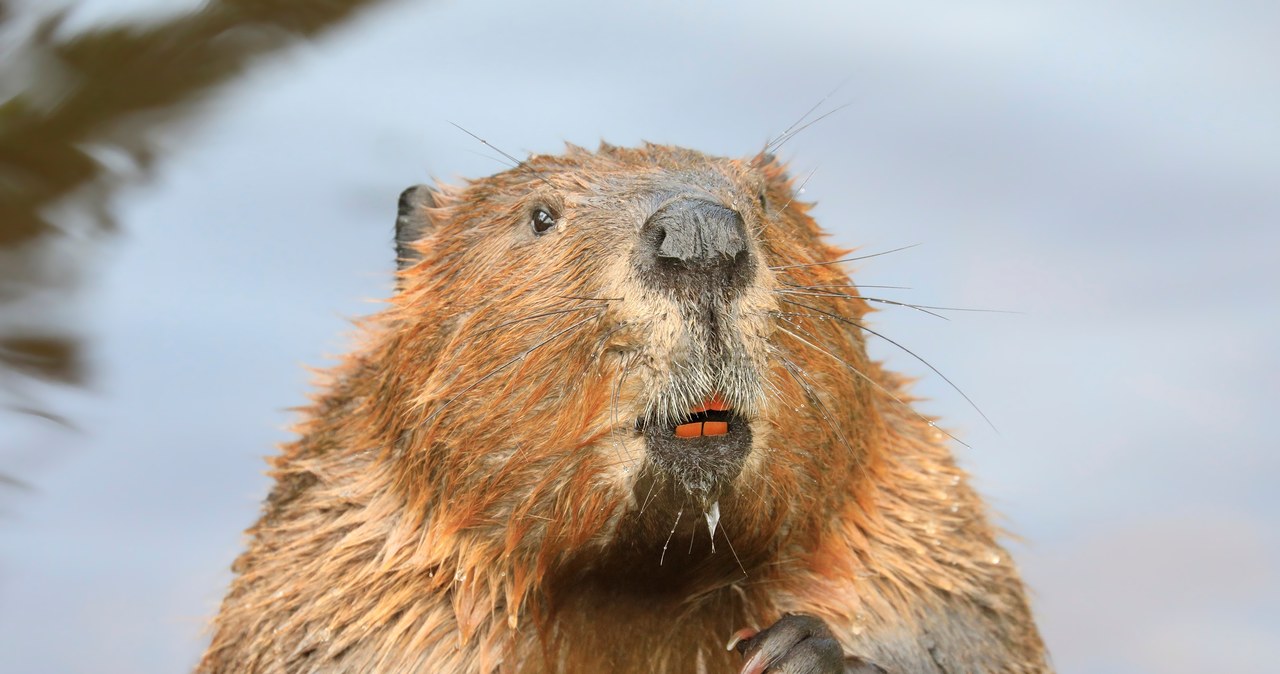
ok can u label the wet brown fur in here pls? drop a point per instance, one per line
(467, 493)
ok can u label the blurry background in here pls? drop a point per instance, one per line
(1110, 169)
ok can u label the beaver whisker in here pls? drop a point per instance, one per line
(773, 147)
(759, 581)
(591, 299)
(492, 158)
(864, 298)
(615, 464)
(814, 401)
(518, 163)
(843, 285)
(751, 487)
(669, 536)
(803, 117)
(874, 384)
(968, 309)
(846, 319)
(524, 354)
(613, 407)
(777, 392)
(921, 307)
(811, 394)
(841, 260)
(540, 315)
(734, 552)
(648, 498)
(691, 602)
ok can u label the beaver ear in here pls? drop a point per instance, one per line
(764, 158)
(773, 168)
(413, 222)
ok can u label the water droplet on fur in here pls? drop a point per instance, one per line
(713, 520)
(995, 559)
(955, 508)
(955, 480)
(460, 576)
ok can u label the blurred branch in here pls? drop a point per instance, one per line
(110, 74)
(112, 88)
(47, 357)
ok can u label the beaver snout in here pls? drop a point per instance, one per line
(692, 246)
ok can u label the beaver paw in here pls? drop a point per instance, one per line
(796, 644)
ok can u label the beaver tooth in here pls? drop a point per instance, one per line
(697, 429)
(690, 430)
(715, 427)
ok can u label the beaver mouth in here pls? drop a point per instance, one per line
(709, 418)
(704, 449)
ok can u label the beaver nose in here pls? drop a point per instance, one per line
(693, 240)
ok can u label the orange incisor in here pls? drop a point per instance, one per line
(697, 429)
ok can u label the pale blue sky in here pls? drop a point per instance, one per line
(1110, 169)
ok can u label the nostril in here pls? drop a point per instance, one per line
(690, 243)
(659, 237)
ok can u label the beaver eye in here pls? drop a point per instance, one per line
(542, 220)
(764, 203)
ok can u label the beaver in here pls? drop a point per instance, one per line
(618, 411)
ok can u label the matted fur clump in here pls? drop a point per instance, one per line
(489, 482)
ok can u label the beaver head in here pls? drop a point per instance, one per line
(590, 337)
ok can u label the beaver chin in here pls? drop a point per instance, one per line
(703, 451)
